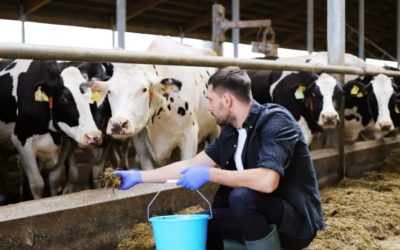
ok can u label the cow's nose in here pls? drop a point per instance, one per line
(330, 119)
(94, 138)
(385, 125)
(118, 125)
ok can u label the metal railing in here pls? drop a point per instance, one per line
(45, 52)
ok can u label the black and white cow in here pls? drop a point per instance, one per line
(38, 100)
(312, 99)
(167, 101)
(96, 75)
(368, 111)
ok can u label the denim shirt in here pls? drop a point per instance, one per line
(275, 141)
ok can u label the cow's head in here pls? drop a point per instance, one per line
(318, 97)
(330, 91)
(372, 98)
(69, 99)
(129, 96)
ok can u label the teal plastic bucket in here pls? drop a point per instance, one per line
(180, 232)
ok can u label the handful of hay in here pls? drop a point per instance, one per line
(108, 179)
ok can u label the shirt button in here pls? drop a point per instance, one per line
(234, 146)
(251, 127)
(227, 162)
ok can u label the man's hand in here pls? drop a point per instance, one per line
(194, 177)
(129, 178)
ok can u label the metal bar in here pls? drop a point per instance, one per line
(310, 26)
(46, 52)
(336, 49)
(121, 22)
(361, 33)
(336, 31)
(398, 33)
(23, 19)
(235, 31)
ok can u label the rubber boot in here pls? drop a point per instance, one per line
(270, 242)
(234, 245)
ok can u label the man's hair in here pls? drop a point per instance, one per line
(234, 80)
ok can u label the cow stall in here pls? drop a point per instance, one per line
(99, 219)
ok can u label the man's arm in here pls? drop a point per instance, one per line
(172, 171)
(260, 179)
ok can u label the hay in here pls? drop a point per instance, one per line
(360, 213)
(110, 180)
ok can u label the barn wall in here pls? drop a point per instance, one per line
(98, 219)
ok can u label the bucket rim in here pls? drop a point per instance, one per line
(179, 217)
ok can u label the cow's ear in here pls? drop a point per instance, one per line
(98, 91)
(173, 83)
(109, 70)
(44, 91)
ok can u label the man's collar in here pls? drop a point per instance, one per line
(252, 116)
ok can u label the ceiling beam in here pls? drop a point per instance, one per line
(279, 18)
(139, 7)
(31, 6)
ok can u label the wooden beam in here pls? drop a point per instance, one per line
(205, 18)
(140, 6)
(31, 6)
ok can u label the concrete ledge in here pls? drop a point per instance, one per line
(98, 219)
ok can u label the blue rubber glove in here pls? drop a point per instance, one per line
(129, 178)
(194, 177)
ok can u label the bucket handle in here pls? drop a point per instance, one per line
(161, 189)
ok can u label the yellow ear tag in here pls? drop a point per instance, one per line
(396, 109)
(40, 96)
(354, 90)
(96, 96)
(360, 94)
(299, 94)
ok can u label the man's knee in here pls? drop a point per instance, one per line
(240, 199)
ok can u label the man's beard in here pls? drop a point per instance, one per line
(226, 120)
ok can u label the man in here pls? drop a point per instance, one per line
(267, 179)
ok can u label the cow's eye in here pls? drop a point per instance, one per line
(144, 90)
(109, 92)
(63, 100)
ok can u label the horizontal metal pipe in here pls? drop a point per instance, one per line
(45, 52)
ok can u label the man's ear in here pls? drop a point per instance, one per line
(227, 99)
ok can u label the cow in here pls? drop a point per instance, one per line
(38, 102)
(165, 106)
(368, 111)
(95, 74)
(311, 98)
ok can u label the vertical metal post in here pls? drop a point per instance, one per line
(398, 33)
(336, 50)
(23, 19)
(113, 32)
(121, 22)
(310, 26)
(218, 33)
(235, 31)
(361, 33)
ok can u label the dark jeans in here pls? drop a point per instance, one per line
(248, 217)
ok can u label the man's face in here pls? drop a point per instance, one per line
(217, 106)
